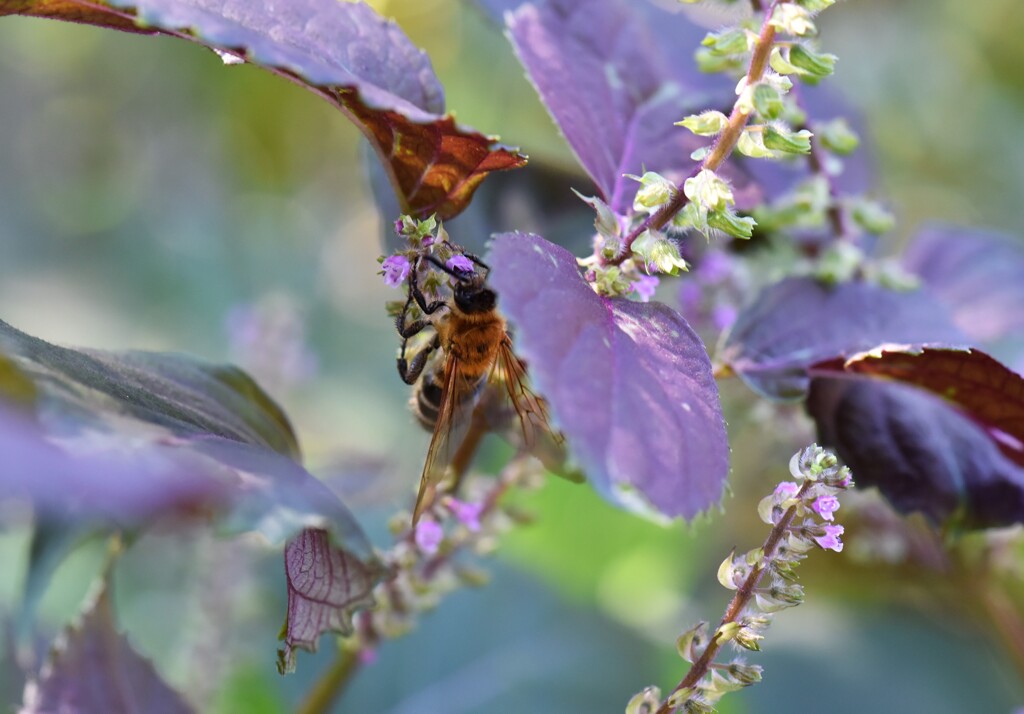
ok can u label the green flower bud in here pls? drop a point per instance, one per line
(655, 191)
(789, 142)
(814, 63)
(746, 674)
(692, 216)
(645, 702)
(730, 223)
(767, 101)
(751, 143)
(605, 222)
(781, 64)
(611, 282)
(659, 253)
(729, 575)
(691, 643)
(839, 264)
(699, 154)
(873, 217)
(728, 631)
(722, 683)
(697, 706)
(709, 190)
(749, 639)
(706, 123)
(710, 63)
(837, 136)
(727, 42)
(815, 6)
(793, 19)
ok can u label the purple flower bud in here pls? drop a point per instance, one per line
(396, 269)
(468, 514)
(367, 655)
(786, 489)
(644, 287)
(830, 541)
(723, 316)
(714, 267)
(460, 264)
(690, 297)
(429, 535)
(825, 506)
(399, 226)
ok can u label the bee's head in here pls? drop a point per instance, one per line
(471, 293)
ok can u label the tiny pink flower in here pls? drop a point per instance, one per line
(367, 656)
(786, 489)
(644, 287)
(396, 269)
(825, 506)
(429, 535)
(468, 514)
(460, 264)
(830, 541)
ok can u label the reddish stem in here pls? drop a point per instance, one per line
(723, 146)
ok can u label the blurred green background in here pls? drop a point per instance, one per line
(152, 198)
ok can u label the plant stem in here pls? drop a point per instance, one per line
(331, 684)
(736, 606)
(723, 146)
(816, 162)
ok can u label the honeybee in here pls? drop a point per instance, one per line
(470, 348)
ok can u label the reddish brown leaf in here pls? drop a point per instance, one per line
(341, 51)
(986, 390)
(325, 585)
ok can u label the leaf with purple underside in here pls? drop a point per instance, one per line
(95, 669)
(920, 452)
(977, 274)
(599, 70)
(799, 322)
(990, 393)
(629, 383)
(101, 439)
(343, 52)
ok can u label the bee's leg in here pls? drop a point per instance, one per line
(428, 308)
(479, 262)
(411, 371)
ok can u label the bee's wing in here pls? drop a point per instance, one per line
(531, 409)
(441, 442)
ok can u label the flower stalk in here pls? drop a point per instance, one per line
(723, 146)
(801, 515)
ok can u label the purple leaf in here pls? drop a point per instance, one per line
(325, 585)
(95, 669)
(977, 274)
(345, 53)
(629, 384)
(125, 439)
(599, 70)
(799, 322)
(922, 454)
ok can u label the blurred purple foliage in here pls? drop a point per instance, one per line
(977, 274)
(95, 669)
(799, 322)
